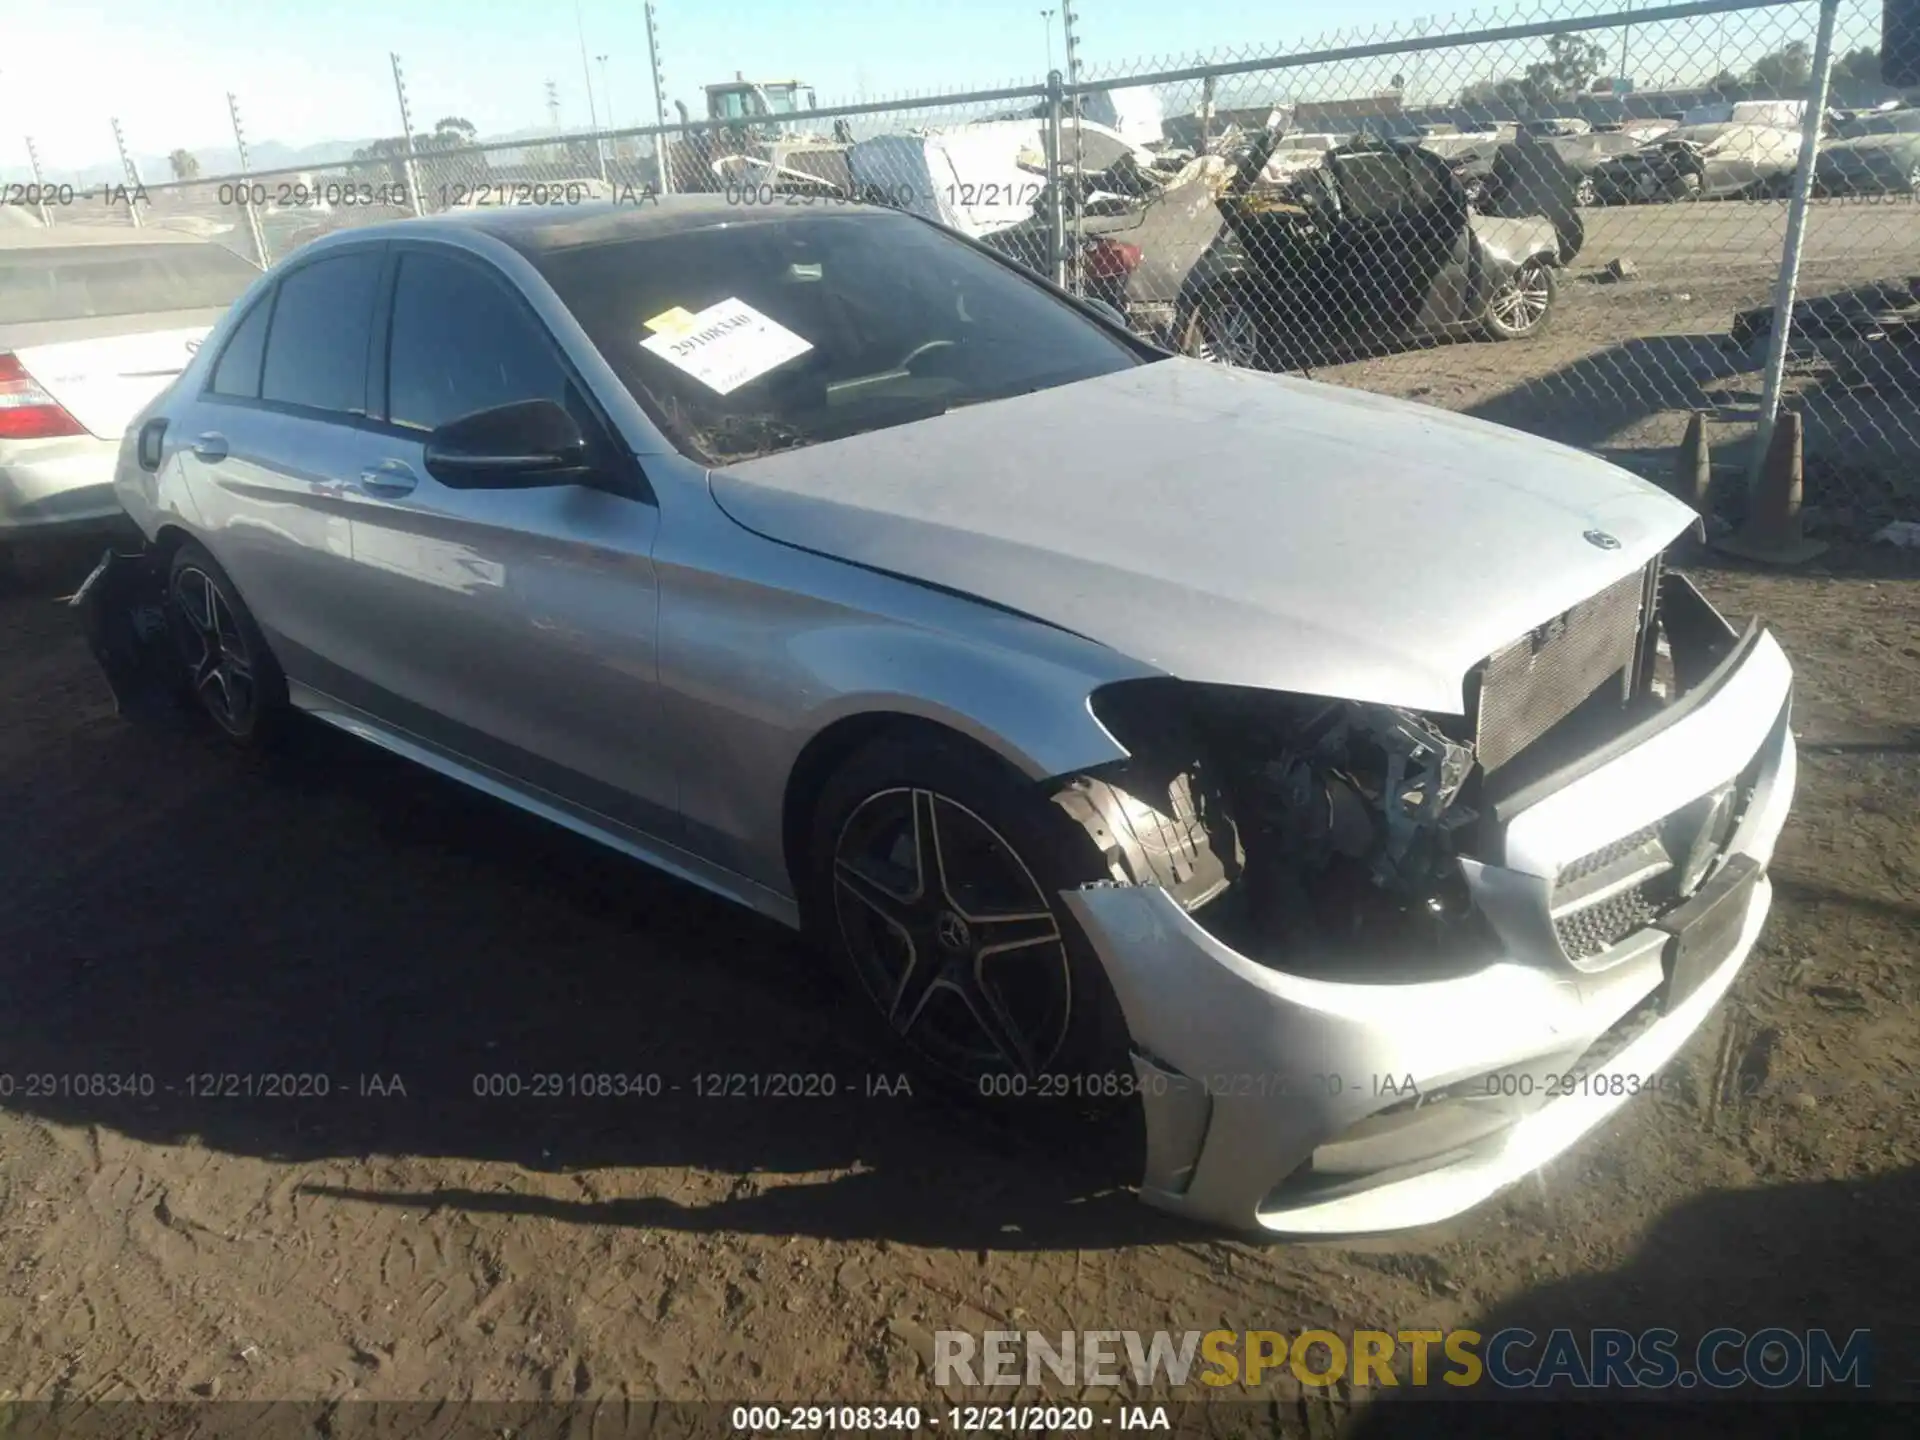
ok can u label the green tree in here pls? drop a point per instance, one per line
(1786, 69)
(1861, 64)
(183, 165)
(1727, 83)
(1570, 66)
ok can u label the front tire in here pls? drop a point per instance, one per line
(1522, 304)
(932, 879)
(230, 674)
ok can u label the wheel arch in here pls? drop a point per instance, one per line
(831, 746)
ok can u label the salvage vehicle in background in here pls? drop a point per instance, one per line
(1701, 162)
(1877, 154)
(1148, 742)
(93, 324)
(1377, 243)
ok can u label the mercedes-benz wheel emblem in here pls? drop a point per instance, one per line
(951, 931)
(1602, 539)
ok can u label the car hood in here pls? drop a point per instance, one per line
(1227, 526)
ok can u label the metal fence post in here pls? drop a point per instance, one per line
(1056, 225)
(1078, 100)
(39, 185)
(246, 186)
(406, 132)
(662, 142)
(131, 171)
(1789, 281)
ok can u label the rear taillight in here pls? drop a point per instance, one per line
(1109, 259)
(26, 411)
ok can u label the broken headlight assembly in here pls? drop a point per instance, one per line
(1318, 836)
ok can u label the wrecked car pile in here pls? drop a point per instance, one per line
(1376, 241)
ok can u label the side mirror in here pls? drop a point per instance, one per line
(525, 444)
(1112, 314)
(1900, 43)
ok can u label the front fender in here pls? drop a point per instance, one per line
(780, 646)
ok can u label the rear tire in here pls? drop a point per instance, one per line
(231, 675)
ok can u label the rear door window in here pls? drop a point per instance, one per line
(318, 339)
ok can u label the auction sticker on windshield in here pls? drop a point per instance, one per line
(725, 345)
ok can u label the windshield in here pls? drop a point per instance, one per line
(873, 319)
(1899, 122)
(83, 282)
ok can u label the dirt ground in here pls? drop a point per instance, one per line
(1622, 365)
(170, 910)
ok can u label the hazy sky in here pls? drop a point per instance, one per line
(318, 69)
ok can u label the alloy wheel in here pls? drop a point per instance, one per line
(1229, 333)
(951, 935)
(1521, 303)
(1586, 192)
(220, 670)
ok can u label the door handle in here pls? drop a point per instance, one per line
(388, 480)
(210, 447)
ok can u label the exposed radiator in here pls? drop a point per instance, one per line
(1530, 686)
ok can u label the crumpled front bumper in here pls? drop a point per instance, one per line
(1294, 1105)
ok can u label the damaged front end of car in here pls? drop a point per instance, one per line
(1378, 909)
(1305, 832)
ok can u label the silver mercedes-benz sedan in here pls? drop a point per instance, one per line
(1339, 784)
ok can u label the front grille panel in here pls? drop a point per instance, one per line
(1528, 687)
(1597, 928)
(1606, 855)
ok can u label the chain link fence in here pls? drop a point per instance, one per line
(1571, 222)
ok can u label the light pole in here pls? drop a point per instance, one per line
(593, 112)
(1046, 19)
(606, 92)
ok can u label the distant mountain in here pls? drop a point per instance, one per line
(267, 155)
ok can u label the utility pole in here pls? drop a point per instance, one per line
(131, 171)
(553, 105)
(662, 150)
(1625, 32)
(39, 185)
(406, 132)
(606, 92)
(1046, 22)
(593, 111)
(246, 187)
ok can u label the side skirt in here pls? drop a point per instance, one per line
(548, 806)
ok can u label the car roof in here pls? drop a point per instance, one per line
(57, 236)
(541, 229)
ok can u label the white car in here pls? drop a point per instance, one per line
(93, 324)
